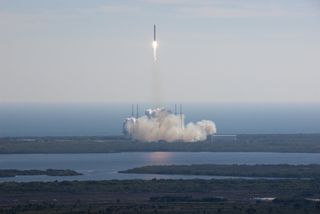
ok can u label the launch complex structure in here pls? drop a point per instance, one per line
(135, 114)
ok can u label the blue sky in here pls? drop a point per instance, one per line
(209, 51)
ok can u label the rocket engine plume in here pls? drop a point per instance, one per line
(154, 45)
(160, 124)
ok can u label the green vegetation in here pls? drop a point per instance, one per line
(281, 170)
(48, 172)
(165, 207)
(170, 198)
(244, 143)
(285, 187)
(161, 196)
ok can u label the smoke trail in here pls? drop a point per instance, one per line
(160, 124)
(156, 78)
(156, 85)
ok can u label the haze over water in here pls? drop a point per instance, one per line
(106, 119)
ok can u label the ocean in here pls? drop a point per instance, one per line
(103, 119)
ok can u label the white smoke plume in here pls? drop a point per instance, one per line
(160, 124)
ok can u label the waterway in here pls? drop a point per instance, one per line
(106, 166)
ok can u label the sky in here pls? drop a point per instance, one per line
(209, 50)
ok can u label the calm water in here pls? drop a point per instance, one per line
(106, 166)
(106, 119)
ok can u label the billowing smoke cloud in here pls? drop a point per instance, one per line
(160, 124)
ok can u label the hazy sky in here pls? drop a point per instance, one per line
(211, 51)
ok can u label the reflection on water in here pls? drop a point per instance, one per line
(159, 158)
(106, 166)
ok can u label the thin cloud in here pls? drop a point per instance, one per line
(117, 8)
(172, 2)
(23, 20)
(112, 8)
(227, 9)
(219, 12)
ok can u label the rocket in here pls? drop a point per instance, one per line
(154, 43)
(154, 33)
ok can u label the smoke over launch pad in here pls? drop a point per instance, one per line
(160, 124)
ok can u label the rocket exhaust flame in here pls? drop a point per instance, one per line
(155, 44)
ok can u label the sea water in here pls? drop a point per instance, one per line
(58, 119)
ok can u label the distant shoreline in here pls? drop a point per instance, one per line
(234, 170)
(49, 172)
(281, 143)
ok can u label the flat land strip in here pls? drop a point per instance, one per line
(48, 172)
(259, 170)
(298, 143)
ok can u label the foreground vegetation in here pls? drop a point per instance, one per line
(243, 143)
(259, 170)
(48, 172)
(296, 188)
(161, 196)
(160, 207)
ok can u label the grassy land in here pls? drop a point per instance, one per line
(244, 143)
(160, 207)
(282, 188)
(160, 196)
(281, 170)
(48, 172)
